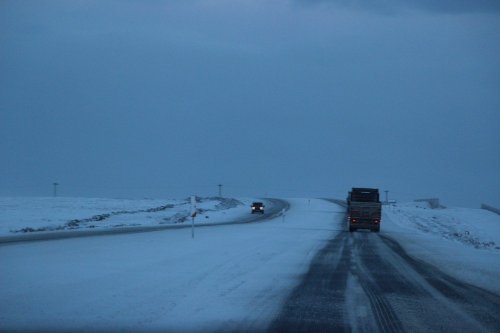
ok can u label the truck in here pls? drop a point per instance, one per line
(364, 209)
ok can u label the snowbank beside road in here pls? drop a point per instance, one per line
(26, 215)
(463, 242)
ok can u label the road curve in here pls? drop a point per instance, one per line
(273, 209)
(366, 282)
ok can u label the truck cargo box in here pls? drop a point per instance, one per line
(364, 209)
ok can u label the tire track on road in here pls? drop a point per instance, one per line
(366, 282)
(316, 305)
(475, 309)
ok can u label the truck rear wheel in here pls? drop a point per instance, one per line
(351, 229)
(376, 229)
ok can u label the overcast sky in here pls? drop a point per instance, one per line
(294, 98)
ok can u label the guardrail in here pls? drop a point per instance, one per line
(490, 208)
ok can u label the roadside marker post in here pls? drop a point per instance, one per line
(283, 214)
(192, 224)
(193, 214)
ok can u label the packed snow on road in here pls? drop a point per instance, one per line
(226, 278)
(464, 242)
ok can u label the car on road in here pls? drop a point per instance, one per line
(257, 207)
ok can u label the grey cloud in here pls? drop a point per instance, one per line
(394, 6)
(132, 100)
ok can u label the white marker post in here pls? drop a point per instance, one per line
(283, 214)
(193, 214)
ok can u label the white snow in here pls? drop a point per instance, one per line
(50, 214)
(226, 276)
(463, 242)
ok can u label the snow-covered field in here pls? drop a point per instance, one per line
(463, 242)
(26, 215)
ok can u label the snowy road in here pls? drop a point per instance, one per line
(364, 282)
(303, 273)
(228, 278)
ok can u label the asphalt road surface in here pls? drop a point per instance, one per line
(366, 282)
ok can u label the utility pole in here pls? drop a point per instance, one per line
(386, 196)
(55, 189)
(220, 190)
